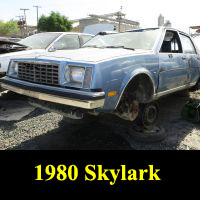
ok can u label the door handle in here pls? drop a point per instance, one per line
(162, 69)
(170, 55)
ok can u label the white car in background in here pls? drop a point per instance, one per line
(41, 43)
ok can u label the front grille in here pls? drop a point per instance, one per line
(39, 73)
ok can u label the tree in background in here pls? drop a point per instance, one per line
(54, 23)
(9, 28)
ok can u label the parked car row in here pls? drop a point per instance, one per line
(121, 74)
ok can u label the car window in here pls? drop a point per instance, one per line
(136, 39)
(85, 38)
(67, 42)
(187, 44)
(171, 43)
(40, 40)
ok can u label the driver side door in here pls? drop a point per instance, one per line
(173, 64)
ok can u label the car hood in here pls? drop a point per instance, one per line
(5, 58)
(21, 53)
(91, 54)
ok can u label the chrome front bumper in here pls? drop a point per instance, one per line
(82, 99)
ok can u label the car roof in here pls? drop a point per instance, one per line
(154, 28)
(71, 33)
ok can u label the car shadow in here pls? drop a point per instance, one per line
(94, 136)
(10, 101)
(11, 125)
(104, 136)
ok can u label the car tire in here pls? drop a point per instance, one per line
(144, 128)
(148, 115)
(155, 134)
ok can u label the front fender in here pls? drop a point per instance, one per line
(116, 75)
(131, 76)
(134, 73)
(112, 102)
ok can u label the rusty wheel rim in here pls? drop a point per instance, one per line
(150, 115)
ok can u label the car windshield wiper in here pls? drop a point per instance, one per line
(102, 47)
(119, 47)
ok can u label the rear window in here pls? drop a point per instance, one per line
(187, 45)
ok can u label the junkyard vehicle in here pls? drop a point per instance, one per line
(11, 39)
(6, 46)
(39, 43)
(122, 74)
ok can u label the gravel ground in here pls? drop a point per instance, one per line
(46, 130)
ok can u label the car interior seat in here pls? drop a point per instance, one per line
(166, 46)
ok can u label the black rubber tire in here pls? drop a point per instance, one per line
(156, 134)
(148, 115)
(145, 129)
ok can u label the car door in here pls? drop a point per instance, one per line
(192, 58)
(68, 41)
(173, 64)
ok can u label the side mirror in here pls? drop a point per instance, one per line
(52, 49)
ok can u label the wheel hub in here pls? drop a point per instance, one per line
(151, 114)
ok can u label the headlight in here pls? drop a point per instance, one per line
(78, 76)
(74, 75)
(13, 69)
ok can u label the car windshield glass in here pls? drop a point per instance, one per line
(138, 39)
(40, 40)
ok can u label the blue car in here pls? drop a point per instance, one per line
(122, 74)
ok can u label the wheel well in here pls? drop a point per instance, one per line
(142, 88)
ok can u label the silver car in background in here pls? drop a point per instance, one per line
(40, 43)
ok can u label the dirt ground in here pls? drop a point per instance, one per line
(38, 129)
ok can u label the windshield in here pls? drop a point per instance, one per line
(40, 40)
(138, 39)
